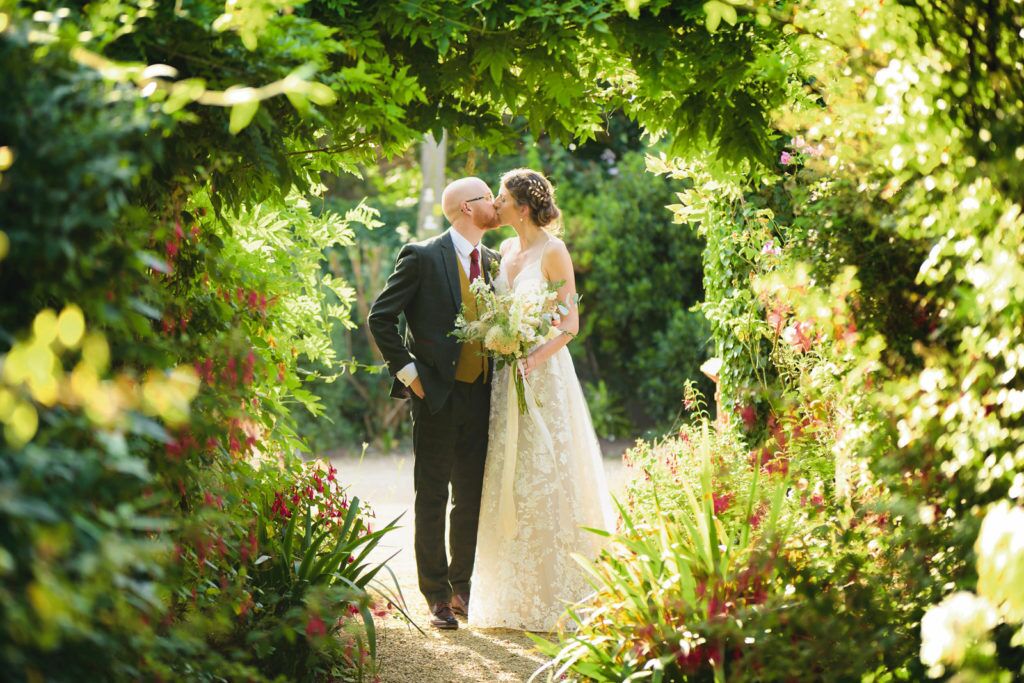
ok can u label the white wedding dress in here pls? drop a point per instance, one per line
(543, 482)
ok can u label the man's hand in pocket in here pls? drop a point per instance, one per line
(417, 388)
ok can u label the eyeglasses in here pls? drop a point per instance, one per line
(483, 196)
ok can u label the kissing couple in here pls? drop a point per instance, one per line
(523, 487)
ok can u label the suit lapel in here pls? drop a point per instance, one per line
(450, 261)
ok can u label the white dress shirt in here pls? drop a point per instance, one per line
(463, 249)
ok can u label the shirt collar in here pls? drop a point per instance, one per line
(462, 245)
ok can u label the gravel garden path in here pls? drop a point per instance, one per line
(404, 654)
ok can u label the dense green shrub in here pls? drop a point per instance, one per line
(184, 321)
(867, 291)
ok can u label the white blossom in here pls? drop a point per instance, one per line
(950, 628)
(1000, 551)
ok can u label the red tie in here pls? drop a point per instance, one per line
(474, 264)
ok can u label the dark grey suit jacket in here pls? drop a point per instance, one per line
(425, 289)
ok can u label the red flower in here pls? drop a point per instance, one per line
(689, 658)
(174, 450)
(749, 416)
(315, 627)
(721, 502)
(278, 507)
(778, 465)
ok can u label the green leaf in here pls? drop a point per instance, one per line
(153, 261)
(241, 115)
(298, 101)
(320, 94)
(717, 11)
(633, 7)
(145, 309)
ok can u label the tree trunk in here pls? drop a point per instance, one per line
(433, 158)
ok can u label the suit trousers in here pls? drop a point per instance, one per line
(449, 448)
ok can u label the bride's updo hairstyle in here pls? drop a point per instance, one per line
(535, 191)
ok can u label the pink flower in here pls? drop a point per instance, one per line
(786, 159)
(770, 249)
(799, 336)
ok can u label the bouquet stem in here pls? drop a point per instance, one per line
(520, 388)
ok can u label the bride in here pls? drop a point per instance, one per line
(543, 479)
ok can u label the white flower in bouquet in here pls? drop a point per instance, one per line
(1000, 551)
(951, 628)
(500, 341)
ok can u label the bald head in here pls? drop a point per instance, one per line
(459, 191)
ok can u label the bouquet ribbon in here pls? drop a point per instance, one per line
(506, 503)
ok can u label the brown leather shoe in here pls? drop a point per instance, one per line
(460, 605)
(443, 619)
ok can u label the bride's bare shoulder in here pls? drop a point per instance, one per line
(555, 250)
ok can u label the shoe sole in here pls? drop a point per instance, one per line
(446, 627)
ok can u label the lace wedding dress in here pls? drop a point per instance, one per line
(543, 481)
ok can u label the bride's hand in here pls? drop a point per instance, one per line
(528, 364)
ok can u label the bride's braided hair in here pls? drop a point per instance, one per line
(533, 189)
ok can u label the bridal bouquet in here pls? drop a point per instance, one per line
(509, 325)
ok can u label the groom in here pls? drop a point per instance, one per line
(449, 385)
